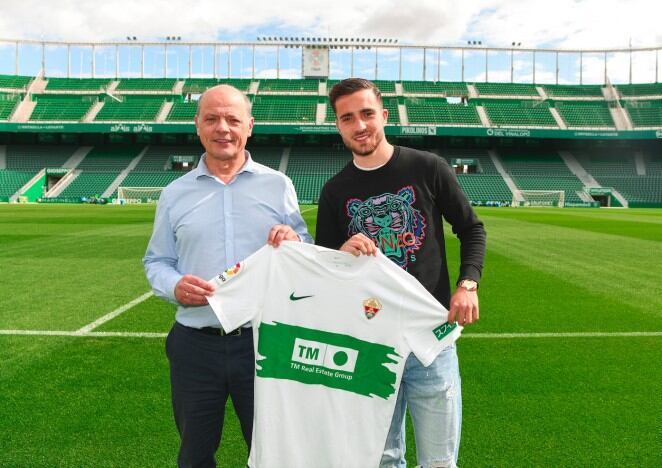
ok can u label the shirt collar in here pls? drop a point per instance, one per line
(203, 170)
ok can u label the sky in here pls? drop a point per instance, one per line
(564, 24)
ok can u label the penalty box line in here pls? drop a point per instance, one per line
(510, 336)
(111, 315)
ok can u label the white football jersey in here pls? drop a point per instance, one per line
(331, 333)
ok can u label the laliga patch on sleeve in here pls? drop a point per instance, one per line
(230, 273)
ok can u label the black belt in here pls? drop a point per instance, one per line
(220, 332)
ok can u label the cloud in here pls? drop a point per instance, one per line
(534, 23)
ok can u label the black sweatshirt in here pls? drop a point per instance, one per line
(400, 206)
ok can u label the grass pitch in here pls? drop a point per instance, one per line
(559, 400)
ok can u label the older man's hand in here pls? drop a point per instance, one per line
(193, 291)
(279, 233)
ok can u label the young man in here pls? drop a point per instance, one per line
(395, 199)
(206, 222)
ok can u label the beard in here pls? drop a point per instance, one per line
(364, 149)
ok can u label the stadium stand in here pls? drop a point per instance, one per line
(310, 167)
(108, 158)
(199, 85)
(156, 158)
(15, 82)
(506, 89)
(36, 157)
(182, 112)
(270, 85)
(541, 170)
(301, 109)
(573, 91)
(584, 114)
(61, 107)
(447, 88)
(132, 108)
(89, 184)
(391, 104)
(640, 89)
(146, 84)
(438, 111)
(385, 86)
(8, 103)
(519, 113)
(11, 181)
(270, 156)
(483, 187)
(616, 169)
(77, 84)
(645, 113)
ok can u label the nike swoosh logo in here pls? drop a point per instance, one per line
(296, 298)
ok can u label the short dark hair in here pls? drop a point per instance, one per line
(350, 86)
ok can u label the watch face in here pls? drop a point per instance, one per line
(469, 285)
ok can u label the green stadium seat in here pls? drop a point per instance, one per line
(506, 89)
(391, 104)
(447, 88)
(146, 84)
(77, 84)
(584, 114)
(15, 82)
(156, 157)
(541, 170)
(269, 156)
(108, 158)
(132, 108)
(438, 111)
(200, 85)
(640, 89)
(528, 113)
(274, 108)
(269, 85)
(12, 181)
(310, 168)
(61, 107)
(36, 157)
(182, 112)
(8, 103)
(578, 91)
(645, 113)
(89, 184)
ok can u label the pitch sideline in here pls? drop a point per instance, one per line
(91, 334)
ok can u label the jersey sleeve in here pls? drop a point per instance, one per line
(424, 321)
(240, 290)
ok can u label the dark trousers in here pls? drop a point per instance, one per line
(204, 371)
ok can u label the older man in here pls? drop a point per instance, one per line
(206, 222)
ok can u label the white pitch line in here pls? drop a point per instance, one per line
(84, 334)
(111, 315)
(561, 335)
(309, 209)
(467, 335)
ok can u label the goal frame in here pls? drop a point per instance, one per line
(133, 195)
(536, 198)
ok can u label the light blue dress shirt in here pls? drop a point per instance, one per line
(204, 226)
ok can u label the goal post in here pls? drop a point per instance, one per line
(543, 198)
(139, 194)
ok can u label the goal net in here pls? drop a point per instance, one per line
(551, 198)
(139, 194)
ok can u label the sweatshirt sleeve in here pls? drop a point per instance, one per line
(457, 210)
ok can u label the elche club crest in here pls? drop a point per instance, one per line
(371, 307)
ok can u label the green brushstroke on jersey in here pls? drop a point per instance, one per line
(334, 360)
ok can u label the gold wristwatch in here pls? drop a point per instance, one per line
(468, 284)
